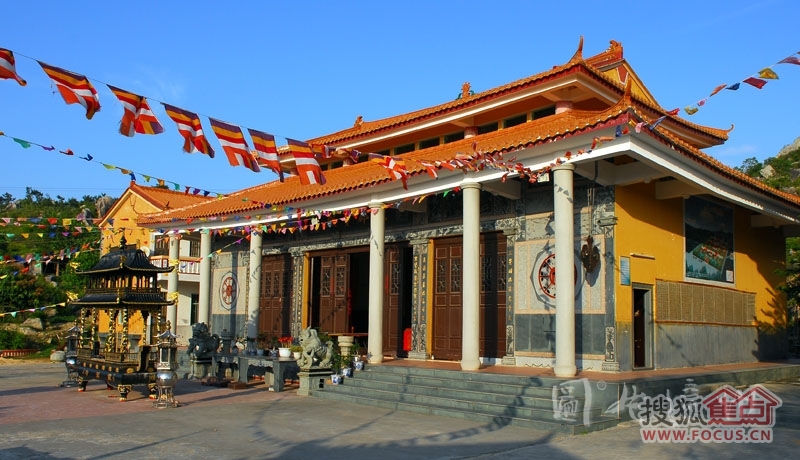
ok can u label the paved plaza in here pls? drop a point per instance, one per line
(41, 420)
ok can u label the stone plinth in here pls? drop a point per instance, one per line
(312, 379)
(200, 368)
(346, 343)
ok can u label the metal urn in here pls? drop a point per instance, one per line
(166, 377)
(71, 357)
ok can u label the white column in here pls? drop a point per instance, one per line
(470, 286)
(204, 298)
(565, 271)
(254, 284)
(172, 280)
(376, 252)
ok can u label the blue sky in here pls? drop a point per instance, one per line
(302, 69)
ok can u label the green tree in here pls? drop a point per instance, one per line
(56, 253)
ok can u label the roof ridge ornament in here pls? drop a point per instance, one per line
(359, 121)
(466, 91)
(578, 56)
(627, 96)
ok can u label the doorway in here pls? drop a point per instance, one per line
(339, 294)
(642, 327)
(447, 297)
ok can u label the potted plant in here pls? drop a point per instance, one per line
(263, 342)
(346, 366)
(296, 351)
(285, 351)
(336, 367)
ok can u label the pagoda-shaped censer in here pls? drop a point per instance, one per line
(122, 289)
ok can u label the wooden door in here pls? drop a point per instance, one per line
(447, 308)
(397, 298)
(493, 295)
(447, 292)
(274, 315)
(642, 328)
(334, 271)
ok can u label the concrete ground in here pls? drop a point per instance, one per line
(41, 420)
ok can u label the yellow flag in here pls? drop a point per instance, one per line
(768, 73)
(690, 110)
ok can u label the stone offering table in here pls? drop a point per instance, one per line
(276, 369)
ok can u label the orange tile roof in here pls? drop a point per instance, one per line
(366, 174)
(725, 170)
(577, 64)
(165, 198)
(340, 180)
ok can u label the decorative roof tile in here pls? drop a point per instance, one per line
(165, 198)
(577, 64)
(544, 130)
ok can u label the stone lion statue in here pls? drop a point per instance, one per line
(315, 353)
(202, 344)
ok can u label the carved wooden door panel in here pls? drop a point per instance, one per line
(397, 301)
(334, 279)
(275, 299)
(493, 295)
(447, 292)
(447, 297)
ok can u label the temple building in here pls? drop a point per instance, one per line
(183, 253)
(563, 220)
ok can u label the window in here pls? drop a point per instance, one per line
(514, 121)
(427, 143)
(453, 137)
(194, 307)
(488, 128)
(194, 249)
(161, 246)
(382, 152)
(404, 149)
(545, 112)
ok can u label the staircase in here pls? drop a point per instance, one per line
(496, 399)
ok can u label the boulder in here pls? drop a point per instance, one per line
(34, 323)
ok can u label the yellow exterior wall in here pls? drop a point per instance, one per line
(125, 216)
(760, 255)
(650, 232)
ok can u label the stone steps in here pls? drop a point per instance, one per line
(496, 399)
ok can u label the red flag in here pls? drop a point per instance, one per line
(790, 60)
(432, 171)
(190, 128)
(8, 68)
(322, 150)
(307, 167)
(266, 151)
(674, 112)
(757, 82)
(234, 145)
(74, 88)
(396, 168)
(718, 89)
(351, 154)
(137, 118)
